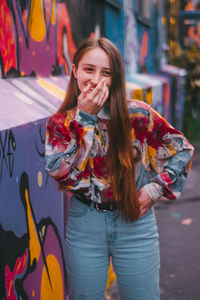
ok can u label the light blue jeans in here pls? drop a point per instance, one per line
(93, 237)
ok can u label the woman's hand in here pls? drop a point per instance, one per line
(145, 201)
(92, 100)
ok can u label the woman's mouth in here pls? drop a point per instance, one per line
(91, 89)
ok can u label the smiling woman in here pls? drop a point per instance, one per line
(117, 157)
(94, 65)
(93, 77)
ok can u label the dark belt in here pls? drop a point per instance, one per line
(100, 207)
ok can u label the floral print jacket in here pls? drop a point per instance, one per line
(76, 146)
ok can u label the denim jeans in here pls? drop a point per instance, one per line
(93, 237)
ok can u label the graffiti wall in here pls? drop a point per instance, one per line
(32, 211)
(40, 37)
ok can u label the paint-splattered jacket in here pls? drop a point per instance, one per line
(76, 146)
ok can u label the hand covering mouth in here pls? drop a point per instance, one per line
(91, 89)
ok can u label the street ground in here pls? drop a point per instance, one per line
(179, 230)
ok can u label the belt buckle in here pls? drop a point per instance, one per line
(98, 209)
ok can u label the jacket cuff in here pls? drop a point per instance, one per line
(154, 190)
(85, 119)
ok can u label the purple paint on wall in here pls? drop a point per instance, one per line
(33, 283)
(37, 57)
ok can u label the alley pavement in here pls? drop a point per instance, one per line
(179, 230)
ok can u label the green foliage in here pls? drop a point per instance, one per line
(189, 60)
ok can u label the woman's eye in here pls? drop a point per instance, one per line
(88, 69)
(106, 73)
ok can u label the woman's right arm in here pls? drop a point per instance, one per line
(68, 142)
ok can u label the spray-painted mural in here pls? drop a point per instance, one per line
(40, 37)
(36, 271)
(32, 262)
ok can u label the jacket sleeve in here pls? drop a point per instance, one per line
(170, 155)
(68, 142)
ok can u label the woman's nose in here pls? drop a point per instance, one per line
(95, 78)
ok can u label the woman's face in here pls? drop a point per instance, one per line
(93, 66)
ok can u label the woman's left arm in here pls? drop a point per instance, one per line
(170, 155)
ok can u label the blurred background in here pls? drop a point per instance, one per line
(159, 42)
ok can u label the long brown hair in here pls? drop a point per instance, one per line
(120, 158)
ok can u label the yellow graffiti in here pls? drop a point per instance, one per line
(149, 95)
(136, 91)
(138, 94)
(10, 287)
(36, 24)
(111, 276)
(34, 244)
(39, 178)
(55, 291)
(6, 66)
(51, 88)
(53, 15)
(19, 266)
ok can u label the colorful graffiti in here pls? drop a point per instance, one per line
(65, 44)
(45, 258)
(32, 265)
(39, 272)
(8, 57)
(36, 36)
(33, 34)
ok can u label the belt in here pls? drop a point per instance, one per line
(100, 207)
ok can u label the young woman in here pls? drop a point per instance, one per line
(117, 157)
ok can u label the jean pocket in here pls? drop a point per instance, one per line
(77, 209)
